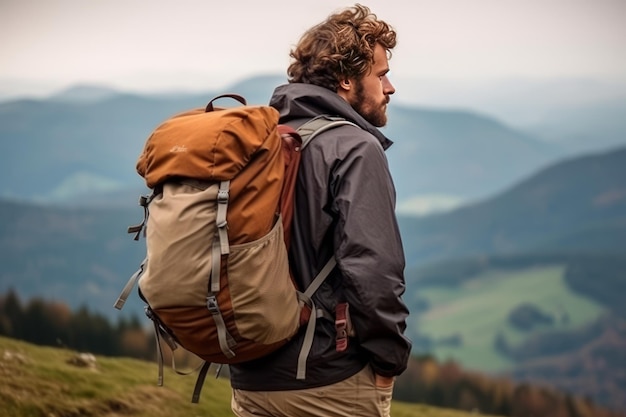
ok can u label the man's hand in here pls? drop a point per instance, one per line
(384, 381)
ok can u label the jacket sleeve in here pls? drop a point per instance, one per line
(369, 253)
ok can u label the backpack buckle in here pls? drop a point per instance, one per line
(222, 196)
(211, 304)
(343, 327)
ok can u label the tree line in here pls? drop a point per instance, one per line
(426, 380)
(447, 385)
(51, 323)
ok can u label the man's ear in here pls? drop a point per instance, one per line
(345, 84)
(344, 89)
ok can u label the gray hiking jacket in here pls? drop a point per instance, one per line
(345, 201)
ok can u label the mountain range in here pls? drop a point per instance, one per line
(83, 142)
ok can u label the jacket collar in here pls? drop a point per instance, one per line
(304, 101)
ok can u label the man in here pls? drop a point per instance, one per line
(345, 201)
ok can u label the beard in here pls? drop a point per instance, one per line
(371, 110)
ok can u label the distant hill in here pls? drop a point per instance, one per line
(575, 205)
(84, 94)
(585, 127)
(85, 141)
(459, 153)
(79, 256)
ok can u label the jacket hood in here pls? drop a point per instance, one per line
(297, 101)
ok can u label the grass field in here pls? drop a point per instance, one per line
(38, 381)
(477, 311)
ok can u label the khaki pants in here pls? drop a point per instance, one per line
(357, 396)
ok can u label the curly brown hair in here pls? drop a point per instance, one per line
(341, 47)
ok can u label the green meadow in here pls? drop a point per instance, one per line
(40, 382)
(476, 312)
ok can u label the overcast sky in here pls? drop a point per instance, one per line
(166, 44)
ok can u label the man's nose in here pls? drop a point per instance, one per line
(388, 88)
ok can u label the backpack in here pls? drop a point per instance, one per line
(216, 276)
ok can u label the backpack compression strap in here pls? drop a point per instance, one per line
(220, 247)
(144, 201)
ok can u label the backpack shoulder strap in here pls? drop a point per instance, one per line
(306, 298)
(308, 131)
(320, 124)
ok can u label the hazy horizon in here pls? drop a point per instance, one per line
(160, 45)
